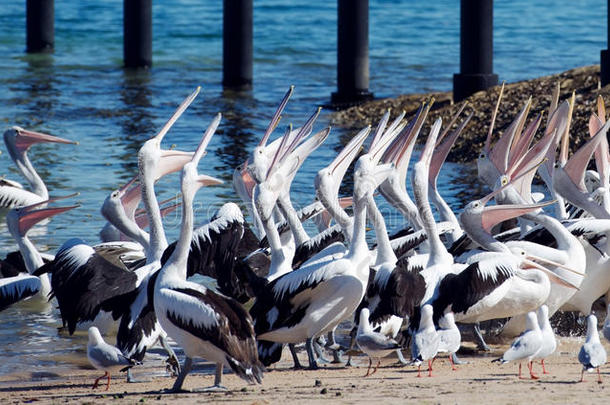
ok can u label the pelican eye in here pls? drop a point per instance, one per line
(504, 181)
(482, 156)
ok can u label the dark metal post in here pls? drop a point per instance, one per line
(476, 49)
(40, 25)
(352, 52)
(604, 73)
(137, 33)
(237, 48)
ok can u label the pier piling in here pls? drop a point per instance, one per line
(137, 33)
(604, 73)
(40, 25)
(352, 53)
(237, 44)
(476, 49)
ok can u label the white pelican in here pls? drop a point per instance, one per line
(202, 322)
(18, 141)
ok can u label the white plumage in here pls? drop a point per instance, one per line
(549, 343)
(373, 344)
(105, 357)
(592, 354)
(449, 335)
(526, 346)
(425, 341)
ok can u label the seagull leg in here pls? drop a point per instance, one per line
(429, 368)
(108, 382)
(217, 387)
(480, 341)
(186, 368)
(531, 367)
(95, 384)
(293, 353)
(313, 365)
(368, 370)
(173, 365)
(451, 361)
(599, 377)
(520, 371)
(582, 375)
(543, 369)
(419, 371)
(375, 369)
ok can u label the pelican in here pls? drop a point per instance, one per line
(18, 141)
(202, 322)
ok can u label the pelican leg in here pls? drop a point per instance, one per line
(293, 353)
(331, 344)
(480, 341)
(456, 360)
(352, 342)
(582, 375)
(217, 387)
(319, 351)
(401, 358)
(186, 368)
(368, 370)
(313, 364)
(173, 365)
(107, 381)
(429, 368)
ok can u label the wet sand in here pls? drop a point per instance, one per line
(480, 381)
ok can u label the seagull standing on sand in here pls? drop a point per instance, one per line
(105, 357)
(592, 354)
(549, 344)
(526, 346)
(374, 344)
(449, 335)
(425, 341)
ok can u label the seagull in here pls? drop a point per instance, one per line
(105, 357)
(549, 344)
(425, 341)
(592, 354)
(450, 337)
(373, 344)
(526, 346)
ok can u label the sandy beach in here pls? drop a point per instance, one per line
(479, 381)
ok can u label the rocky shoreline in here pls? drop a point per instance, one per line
(584, 81)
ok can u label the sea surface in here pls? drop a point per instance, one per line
(81, 92)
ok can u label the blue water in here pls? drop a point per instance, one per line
(80, 92)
